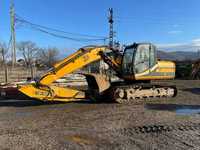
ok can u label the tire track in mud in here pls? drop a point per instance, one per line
(182, 136)
(160, 128)
(190, 137)
(180, 141)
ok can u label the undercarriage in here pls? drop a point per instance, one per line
(140, 92)
(124, 92)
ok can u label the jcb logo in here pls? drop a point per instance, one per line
(86, 58)
(41, 93)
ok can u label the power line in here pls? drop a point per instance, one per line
(49, 30)
(65, 37)
(57, 30)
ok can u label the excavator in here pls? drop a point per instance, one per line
(136, 67)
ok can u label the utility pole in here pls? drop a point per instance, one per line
(111, 32)
(13, 39)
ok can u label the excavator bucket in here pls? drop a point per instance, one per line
(98, 84)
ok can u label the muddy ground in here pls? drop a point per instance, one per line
(27, 124)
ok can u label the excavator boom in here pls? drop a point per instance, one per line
(78, 60)
(44, 90)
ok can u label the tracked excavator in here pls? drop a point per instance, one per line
(137, 66)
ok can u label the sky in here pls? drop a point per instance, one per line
(167, 23)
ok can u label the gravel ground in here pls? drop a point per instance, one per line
(27, 124)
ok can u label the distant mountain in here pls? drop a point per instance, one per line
(177, 55)
(166, 54)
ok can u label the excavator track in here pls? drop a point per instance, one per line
(140, 93)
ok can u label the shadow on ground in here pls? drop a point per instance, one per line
(193, 90)
(24, 103)
(32, 102)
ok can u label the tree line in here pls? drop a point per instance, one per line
(29, 55)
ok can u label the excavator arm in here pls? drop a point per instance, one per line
(44, 90)
(78, 60)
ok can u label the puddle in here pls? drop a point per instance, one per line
(193, 90)
(23, 114)
(178, 109)
(187, 111)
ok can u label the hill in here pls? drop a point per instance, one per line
(178, 55)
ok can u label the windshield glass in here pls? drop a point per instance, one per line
(127, 66)
(142, 58)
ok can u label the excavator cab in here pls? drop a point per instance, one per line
(140, 63)
(138, 58)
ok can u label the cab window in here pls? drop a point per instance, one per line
(142, 58)
(153, 55)
(127, 65)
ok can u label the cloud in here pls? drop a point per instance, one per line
(196, 42)
(193, 45)
(175, 32)
(171, 45)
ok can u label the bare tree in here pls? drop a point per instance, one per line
(3, 52)
(4, 55)
(48, 57)
(29, 52)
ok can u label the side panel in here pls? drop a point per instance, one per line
(163, 70)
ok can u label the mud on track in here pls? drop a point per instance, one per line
(27, 124)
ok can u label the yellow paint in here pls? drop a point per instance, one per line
(52, 93)
(154, 78)
(166, 70)
(161, 67)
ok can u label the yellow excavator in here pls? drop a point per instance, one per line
(136, 67)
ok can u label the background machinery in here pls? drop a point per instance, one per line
(195, 74)
(137, 66)
(188, 69)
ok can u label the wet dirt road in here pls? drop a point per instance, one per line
(168, 124)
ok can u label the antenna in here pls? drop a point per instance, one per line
(111, 32)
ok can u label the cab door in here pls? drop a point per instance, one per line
(127, 63)
(144, 58)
